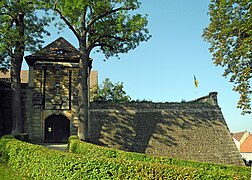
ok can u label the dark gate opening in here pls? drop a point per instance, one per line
(57, 129)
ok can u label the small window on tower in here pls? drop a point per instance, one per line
(59, 52)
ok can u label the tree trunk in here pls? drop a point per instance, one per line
(17, 121)
(83, 91)
(16, 63)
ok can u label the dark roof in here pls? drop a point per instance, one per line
(59, 50)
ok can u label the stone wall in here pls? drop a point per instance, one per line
(194, 131)
(5, 108)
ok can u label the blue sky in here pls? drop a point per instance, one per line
(162, 69)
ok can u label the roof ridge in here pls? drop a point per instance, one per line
(59, 50)
(57, 40)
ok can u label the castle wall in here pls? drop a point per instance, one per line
(5, 108)
(193, 131)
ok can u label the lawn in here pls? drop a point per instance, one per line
(7, 174)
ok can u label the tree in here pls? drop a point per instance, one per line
(110, 92)
(20, 30)
(110, 27)
(230, 36)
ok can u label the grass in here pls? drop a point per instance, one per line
(7, 174)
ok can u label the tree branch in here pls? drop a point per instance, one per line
(83, 23)
(109, 37)
(89, 49)
(10, 52)
(114, 37)
(83, 18)
(106, 14)
(67, 22)
(96, 43)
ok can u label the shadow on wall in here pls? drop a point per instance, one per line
(169, 131)
(5, 108)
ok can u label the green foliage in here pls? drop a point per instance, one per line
(21, 28)
(96, 162)
(111, 26)
(38, 162)
(230, 36)
(204, 170)
(4, 62)
(110, 92)
(7, 174)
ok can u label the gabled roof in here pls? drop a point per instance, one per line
(239, 135)
(246, 146)
(59, 50)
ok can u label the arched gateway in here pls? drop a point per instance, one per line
(57, 129)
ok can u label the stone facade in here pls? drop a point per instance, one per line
(51, 94)
(52, 91)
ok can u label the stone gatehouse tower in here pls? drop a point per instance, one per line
(52, 106)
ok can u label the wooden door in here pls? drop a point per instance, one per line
(57, 129)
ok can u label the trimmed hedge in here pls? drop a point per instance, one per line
(207, 170)
(40, 163)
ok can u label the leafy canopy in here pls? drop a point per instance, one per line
(104, 24)
(111, 92)
(17, 36)
(230, 36)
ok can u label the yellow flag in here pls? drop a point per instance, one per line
(196, 83)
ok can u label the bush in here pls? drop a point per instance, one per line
(40, 163)
(209, 169)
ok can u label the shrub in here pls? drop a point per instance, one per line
(209, 169)
(40, 163)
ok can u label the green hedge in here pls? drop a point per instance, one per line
(102, 163)
(40, 163)
(209, 169)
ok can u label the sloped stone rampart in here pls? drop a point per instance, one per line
(194, 131)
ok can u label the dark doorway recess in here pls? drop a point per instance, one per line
(57, 129)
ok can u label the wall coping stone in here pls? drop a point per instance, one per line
(206, 103)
